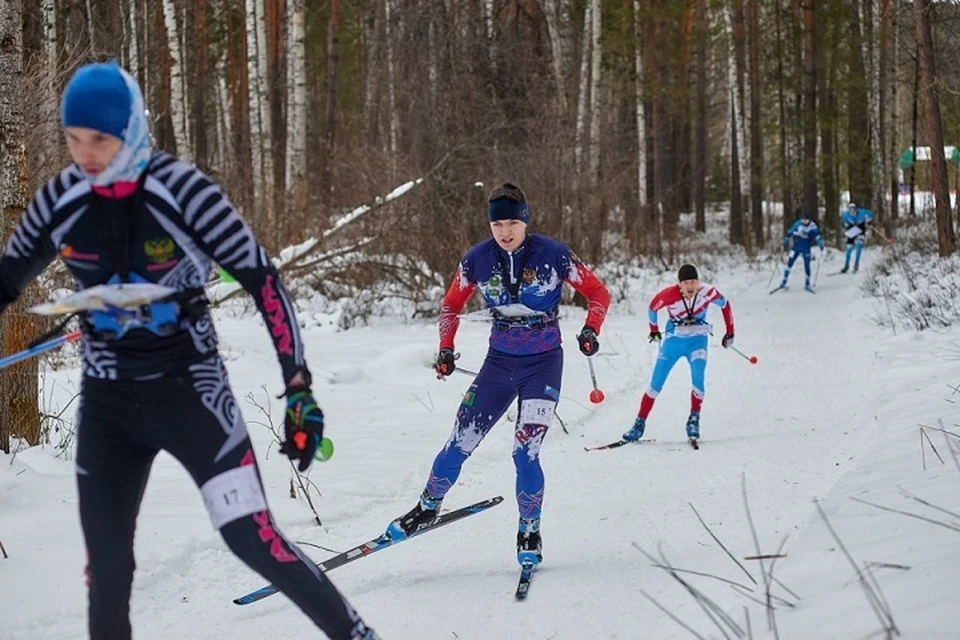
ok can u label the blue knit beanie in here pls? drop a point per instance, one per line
(97, 97)
(507, 202)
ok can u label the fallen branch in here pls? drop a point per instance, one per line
(4, 551)
(771, 616)
(907, 513)
(768, 556)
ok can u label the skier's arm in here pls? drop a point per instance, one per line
(28, 250)
(221, 233)
(724, 304)
(587, 284)
(453, 303)
(659, 302)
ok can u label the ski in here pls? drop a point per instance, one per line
(809, 290)
(694, 443)
(377, 544)
(526, 575)
(773, 291)
(617, 443)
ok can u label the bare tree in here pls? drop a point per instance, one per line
(756, 139)
(809, 110)
(19, 413)
(178, 105)
(946, 238)
(296, 156)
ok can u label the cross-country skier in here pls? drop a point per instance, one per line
(524, 360)
(855, 222)
(124, 213)
(685, 336)
(804, 234)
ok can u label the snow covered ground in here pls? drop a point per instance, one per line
(831, 412)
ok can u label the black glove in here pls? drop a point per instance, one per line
(588, 341)
(445, 363)
(655, 336)
(727, 340)
(303, 425)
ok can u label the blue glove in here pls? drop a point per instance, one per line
(303, 426)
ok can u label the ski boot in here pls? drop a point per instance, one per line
(846, 268)
(693, 427)
(807, 287)
(856, 267)
(636, 432)
(420, 516)
(529, 544)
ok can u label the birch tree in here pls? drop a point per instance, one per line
(641, 115)
(50, 105)
(296, 156)
(178, 105)
(19, 411)
(266, 124)
(596, 55)
(253, 99)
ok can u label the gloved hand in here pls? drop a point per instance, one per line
(727, 340)
(303, 426)
(655, 336)
(588, 341)
(445, 363)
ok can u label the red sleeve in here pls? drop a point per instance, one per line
(728, 316)
(598, 298)
(453, 303)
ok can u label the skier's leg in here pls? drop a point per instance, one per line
(697, 357)
(112, 471)
(539, 394)
(806, 267)
(203, 429)
(671, 349)
(846, 256)
(786, 272)
(483, 404)
(856, 263)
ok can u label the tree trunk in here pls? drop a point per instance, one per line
(596, 54)
(201, 152)
(296, 156)
(809, 111)
(786, 177)
(582, 114)
(256, 113)
(756, 141)
(735, 226)
(19, 394)
(133, 39)
(264, 80)
(893, 164)
(329, 120)
(178, 110)
(371, 70)
(858, 118)
(394, 128)
(946, 238)
(700, 149)
(827, 81)
(556, 53)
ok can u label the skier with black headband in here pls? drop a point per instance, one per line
(513, 269)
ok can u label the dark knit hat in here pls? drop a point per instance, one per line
(687, 272)
(507, 202)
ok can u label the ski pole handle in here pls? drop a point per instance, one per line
(750, 359)
(40, 348)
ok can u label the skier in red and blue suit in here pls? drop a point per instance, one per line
(686, 336)
(524, 360)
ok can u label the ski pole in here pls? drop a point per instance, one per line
(750, 359)
(467, 372)
(776, 265)
(877, 229)
(596, 396)
(33, 350)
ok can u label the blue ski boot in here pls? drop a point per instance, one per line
(636, 432)
(420, 516)
(529, 544)
(693, 426)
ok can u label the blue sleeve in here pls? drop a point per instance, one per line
(793, 228)
(867, 215)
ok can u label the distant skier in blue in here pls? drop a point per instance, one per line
(804, 233)
(855, 223)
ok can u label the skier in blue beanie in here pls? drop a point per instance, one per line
(123, 213)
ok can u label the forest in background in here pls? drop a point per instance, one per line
(614, 116)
